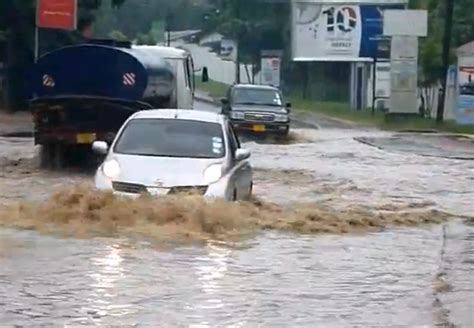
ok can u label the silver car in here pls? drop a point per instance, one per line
(160, 152)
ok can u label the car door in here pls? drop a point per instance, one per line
(241, 171)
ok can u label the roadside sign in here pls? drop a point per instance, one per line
(339, 30)
(465, 103)
(57, 14)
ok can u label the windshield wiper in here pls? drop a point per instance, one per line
(245, 103)
(269, 104)
(257, 104)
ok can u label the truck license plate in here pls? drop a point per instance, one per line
(259, 128)
(85, 138)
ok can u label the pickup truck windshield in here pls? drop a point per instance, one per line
(171, 138)
(246, 96)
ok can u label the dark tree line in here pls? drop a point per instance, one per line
(258, 24)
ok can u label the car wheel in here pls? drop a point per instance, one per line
(285, 133)
(249, 195)
(234, 195)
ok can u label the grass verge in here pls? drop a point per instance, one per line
(214, 89)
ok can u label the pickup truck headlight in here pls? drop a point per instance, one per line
(237, 115)
(281, 118)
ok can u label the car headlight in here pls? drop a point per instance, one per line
(213, 173)
(237, 115)
(281, 118)
(111, 169)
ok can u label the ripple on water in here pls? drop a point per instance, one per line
(350, 280)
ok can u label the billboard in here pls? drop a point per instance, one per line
(270, 74)
(57, 14)
(337, 32)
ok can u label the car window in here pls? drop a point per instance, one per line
(186, 73)
(171, 138)
(233, 141)
(191, 72)
(246, 96)
(234, 135)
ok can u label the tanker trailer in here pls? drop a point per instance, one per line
(86, 92)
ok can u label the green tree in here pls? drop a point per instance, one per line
(117, 35)
(146, 39)
(431, 46)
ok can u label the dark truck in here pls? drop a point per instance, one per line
(85, 92)
(257, 109)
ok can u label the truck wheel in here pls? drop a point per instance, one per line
(58, 156)
(45, 156)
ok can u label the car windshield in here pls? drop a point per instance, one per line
(245, 96)
(171, 138)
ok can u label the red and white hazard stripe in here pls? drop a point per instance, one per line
(48, 81)
(129, 79)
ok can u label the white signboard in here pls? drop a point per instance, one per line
(404, 75)
(405, 22)
(271, 71)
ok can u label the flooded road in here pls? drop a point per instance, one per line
(418, 276)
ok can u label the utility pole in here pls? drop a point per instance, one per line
(237, 56)
(168, 29)
(448, 25)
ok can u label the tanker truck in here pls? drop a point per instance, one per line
(85, 92)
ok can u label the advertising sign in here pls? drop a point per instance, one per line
(271, 71)
(465, 107)
(404, 74)
(57, 14)
(339, 32)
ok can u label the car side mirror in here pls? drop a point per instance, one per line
(224, 101)
(288, 107)
(242, 154)
(100, 147)
(205, 75)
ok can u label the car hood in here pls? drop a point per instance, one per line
(260, 108)
(163, 171)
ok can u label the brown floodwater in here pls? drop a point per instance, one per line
(340, 233)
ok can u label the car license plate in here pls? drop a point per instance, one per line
(259, 128)
(156, 191)
(85, 138)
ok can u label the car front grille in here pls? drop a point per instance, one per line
(189, 190)
(130, 188)
(259, 117)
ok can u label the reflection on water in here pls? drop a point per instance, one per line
(210, 271)
(335, 281)
(106, 273)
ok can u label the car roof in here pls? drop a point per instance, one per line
(166, 52)
(180, 114)
(255, 87)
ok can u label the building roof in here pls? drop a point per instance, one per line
(466, 49)
(166, 52)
